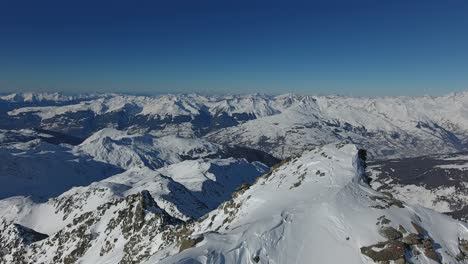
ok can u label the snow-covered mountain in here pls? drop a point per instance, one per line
(115, 178)
(188, 177)
(318, 208)
(388, 127)
(314, 207)
(280, 125)
(439, 182)
(134, 150)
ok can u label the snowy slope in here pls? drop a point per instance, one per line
(317, 208)
(103, 205)
(439, 182)
(183, 194)
(388, 127)
(314, 207)
(281, 125)
(174, 179)
(143, 150)
(200, 178)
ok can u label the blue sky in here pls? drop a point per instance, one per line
(374, 47)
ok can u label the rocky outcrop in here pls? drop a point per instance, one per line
(401, 244)
(385, 251)
(15, 240)
(131, 225)
(390, 233)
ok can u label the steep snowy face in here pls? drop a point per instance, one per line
(314, 207)
(124, 218)
(318, 208)
(185, 190)
(201, 175)
(136, 150)
(439, 182)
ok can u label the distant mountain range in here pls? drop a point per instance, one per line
(110, 178)
(280, 125)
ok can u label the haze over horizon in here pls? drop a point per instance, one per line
(373, 48)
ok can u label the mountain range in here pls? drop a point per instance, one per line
(112, 178)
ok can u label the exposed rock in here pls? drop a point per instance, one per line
(385, 251)
(14, 240)
(411, 239)
(429, 250)
(400, 261)
(390, 233)
(28, 235)
(463, 245)
(402, 229)
(134, 220)
(189, 243)
(382, 220)
(419, 229)
(386, 202)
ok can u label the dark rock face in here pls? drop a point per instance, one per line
(384, 202)
(429, 250)
(15, 240)
(135, 220)
(412, 239)
(385, 251)
(28, 235)
(250, 155)
(399, 248)
(463, 246)
(189, 243)
(419, 229)
(390, 233)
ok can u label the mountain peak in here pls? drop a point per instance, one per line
(311, 207)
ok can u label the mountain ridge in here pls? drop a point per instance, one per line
(198, 179)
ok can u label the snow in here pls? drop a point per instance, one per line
(165, 105)
(381, 113)
(314, 207)
(289, 124)
(41, 97)
(137, 150)
(281, 223)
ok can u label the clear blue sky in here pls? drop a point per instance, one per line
(375, 47)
